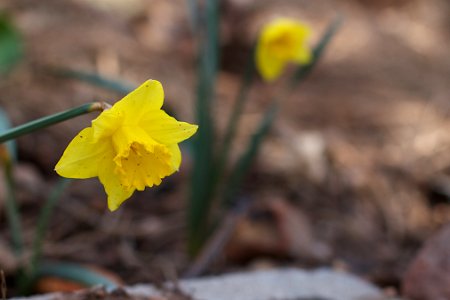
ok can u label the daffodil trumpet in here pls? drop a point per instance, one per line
(131, 146)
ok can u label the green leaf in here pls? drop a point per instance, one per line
(235, 116)
(11, 49)
(247, 158)
(303, 71)
(77, 273)
(201, 187)
(94, 79)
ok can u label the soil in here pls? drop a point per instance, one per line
(358, 157)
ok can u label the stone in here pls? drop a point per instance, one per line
(275, 284)
(428, 275)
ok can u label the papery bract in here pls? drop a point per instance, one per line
(130, 146)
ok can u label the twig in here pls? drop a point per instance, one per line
(214, 247)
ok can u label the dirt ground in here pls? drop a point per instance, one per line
(355, 173)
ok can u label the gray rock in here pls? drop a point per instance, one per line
(428, 276)
(279, 284)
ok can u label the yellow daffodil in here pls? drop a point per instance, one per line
(130, 146)
(281, 41)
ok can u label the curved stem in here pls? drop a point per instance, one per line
(233, 122)
(51, 120)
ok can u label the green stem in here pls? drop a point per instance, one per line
(41, 230)
(50, 120)
(233, 123)
(245, 161)
(200, 197)
(12, 209)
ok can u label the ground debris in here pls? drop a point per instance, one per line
(99, 293)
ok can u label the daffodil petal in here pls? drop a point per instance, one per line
(176, 156)
(124, 137)
(303, 56)
(106, 123)
(269, 66)
(81, 157)
(117, 194)
(283, 26)
(301, 34)
(166, 129)
(147, 97)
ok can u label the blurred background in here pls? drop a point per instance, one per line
(355, 173)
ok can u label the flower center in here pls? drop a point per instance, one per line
(143, 165)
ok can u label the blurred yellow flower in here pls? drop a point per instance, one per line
(281, 41)
(130, 146)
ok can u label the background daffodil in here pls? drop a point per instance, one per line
(130, 146)
(280, 42)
